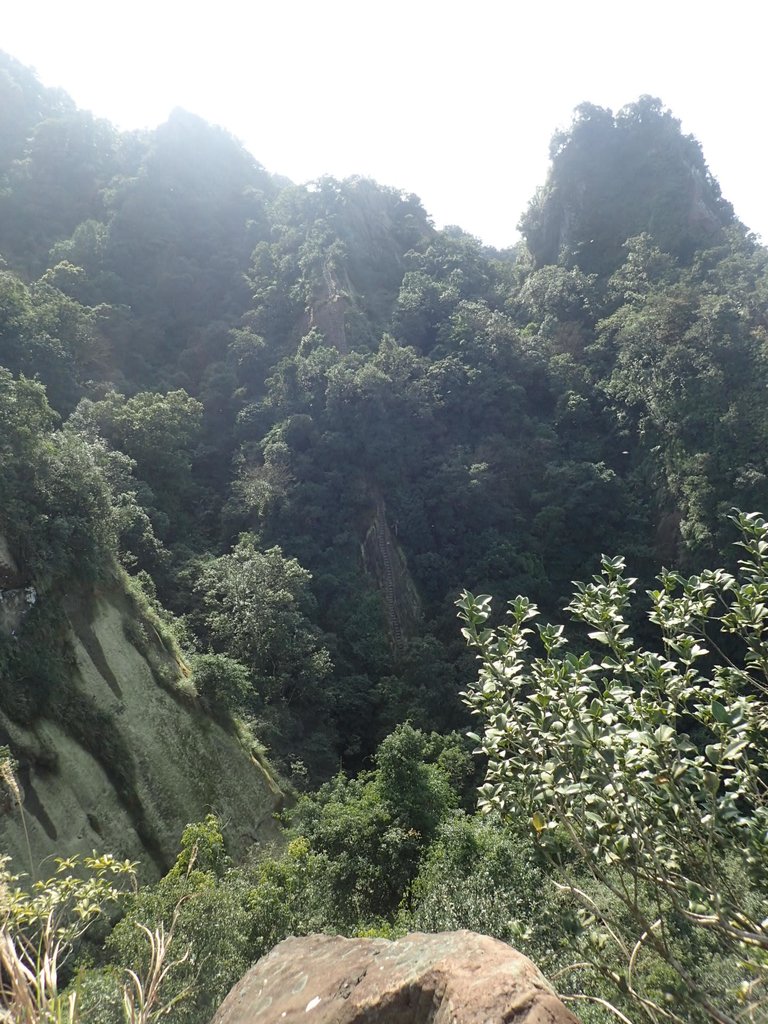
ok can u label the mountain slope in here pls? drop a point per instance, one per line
(132, 757)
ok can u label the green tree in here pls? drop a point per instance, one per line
(366, 835)
(161, 434)
(203, 902)
(221, 681)
(45, 334)
(483, 876)
(56, 506)
(256, 606)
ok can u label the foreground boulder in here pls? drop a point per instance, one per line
(448, 978)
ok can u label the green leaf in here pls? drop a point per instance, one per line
(600, 636)
(664, 733)
(719, 713)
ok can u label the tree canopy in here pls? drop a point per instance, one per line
(303, 419)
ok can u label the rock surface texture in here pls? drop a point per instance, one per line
(448, 978)
(151, 762)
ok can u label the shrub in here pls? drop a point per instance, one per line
(646, 770)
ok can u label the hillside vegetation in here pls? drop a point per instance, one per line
(277, 430)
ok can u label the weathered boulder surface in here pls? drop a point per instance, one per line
(447, 978)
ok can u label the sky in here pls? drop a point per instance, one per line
(452, 100)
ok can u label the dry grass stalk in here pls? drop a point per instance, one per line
(141, 996)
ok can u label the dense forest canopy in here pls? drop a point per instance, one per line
(319, 368)
(303, 419)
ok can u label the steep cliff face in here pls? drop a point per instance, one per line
(127, 757)
(385, 562)
(330, 305)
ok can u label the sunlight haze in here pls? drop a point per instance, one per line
(456, 104)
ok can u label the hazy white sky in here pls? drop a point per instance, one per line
(455, 101)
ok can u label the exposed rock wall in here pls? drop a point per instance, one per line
(447, 978)
(385, 562)
(9, 571)
(156, 762)
(16, 594)
(330, 305)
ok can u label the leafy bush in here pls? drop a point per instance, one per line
(202, 905)
(646, 771)
(479, 875)
(39, 927)
(55, 504)
(219, 680)
(255, 610)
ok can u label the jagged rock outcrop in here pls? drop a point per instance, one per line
(126, 756)
(385, 562)
(330, 306)
(446, 978)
